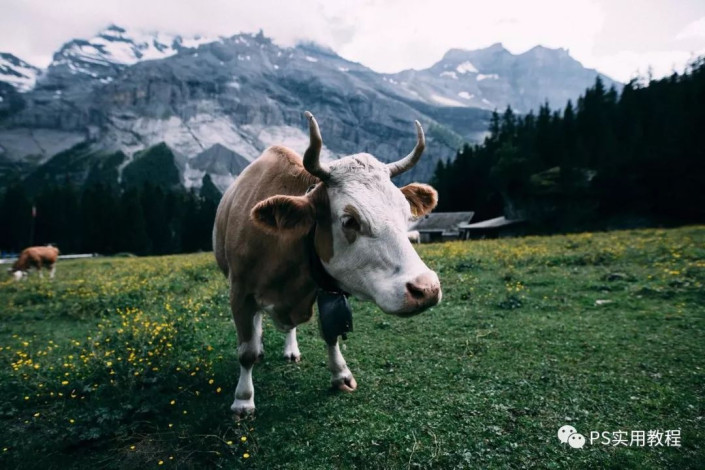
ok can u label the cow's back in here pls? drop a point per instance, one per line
(245, 253)
(36, 257)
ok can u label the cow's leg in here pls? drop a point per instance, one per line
(52, 271)
(291, 347)
(248, 323)
(341, 378)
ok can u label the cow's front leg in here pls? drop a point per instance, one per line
(291, 347)
(249, 332)
(341, 378)
(52, 271)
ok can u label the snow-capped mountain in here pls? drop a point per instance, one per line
(493, 78)
(211, 105)
(111, 50)
(17, 72)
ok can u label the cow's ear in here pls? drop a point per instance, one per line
(422, 198)
(291, 215)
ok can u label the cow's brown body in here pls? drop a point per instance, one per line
(289, 226)
(37, 257)
(265, 270)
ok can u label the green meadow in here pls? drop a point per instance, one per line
(125, 363)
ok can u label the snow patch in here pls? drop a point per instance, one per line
(343, 69)
(288, 136)
(446, 101)
(188, 138)
(466, 67)
(449, 75)
(18, 73)
(195, 41)
(126, 47)
(491, 76)
(192, 178)
(222, 182)
(311, 59)
(466, 95)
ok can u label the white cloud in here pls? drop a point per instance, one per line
(696, 29)
(386, 35)
(625, 65)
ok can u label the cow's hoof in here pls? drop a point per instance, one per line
(291, 357)
(345, 384)
(243, 408)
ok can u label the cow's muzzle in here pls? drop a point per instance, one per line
(422, 292)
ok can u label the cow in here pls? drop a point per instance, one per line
(414, 236)
(37, 257)
(288, 227)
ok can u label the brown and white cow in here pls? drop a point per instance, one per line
(281, 213)
(37, 257)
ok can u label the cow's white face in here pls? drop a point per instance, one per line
(372, 257)
(361, 222)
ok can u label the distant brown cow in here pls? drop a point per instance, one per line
(35, 257)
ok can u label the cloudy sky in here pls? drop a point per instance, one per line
(618, 37)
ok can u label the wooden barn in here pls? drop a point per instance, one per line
(441, 226)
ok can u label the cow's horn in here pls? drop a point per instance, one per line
(312, 155)
(406, 163)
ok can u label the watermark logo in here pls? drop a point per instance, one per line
(571, 436)
(652, 438)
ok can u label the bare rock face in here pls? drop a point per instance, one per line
(216, 103)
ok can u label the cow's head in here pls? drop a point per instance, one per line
(361, 221)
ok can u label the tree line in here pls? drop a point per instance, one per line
(146, 219)
(609, 160)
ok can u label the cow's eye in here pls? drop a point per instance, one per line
(350, 223)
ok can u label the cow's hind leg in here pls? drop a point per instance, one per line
(342, 378)
(249, 334)
(291, 347)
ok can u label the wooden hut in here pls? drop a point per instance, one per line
(441, 226)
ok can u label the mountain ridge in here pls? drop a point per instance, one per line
(126, 92)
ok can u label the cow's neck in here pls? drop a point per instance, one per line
(319, 274)
(334, 313)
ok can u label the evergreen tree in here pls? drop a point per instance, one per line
(16, 217)
(610, 158)
(131, 228)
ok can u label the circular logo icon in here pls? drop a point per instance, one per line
(576, 441)
(565, 432)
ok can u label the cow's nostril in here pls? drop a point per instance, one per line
(415, 291)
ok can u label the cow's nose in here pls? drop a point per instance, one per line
(424, 291)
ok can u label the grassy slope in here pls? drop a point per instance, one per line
(142, 352)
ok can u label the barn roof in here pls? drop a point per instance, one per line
(490, 223)
(442, 221)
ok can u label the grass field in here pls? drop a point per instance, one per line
(131, 363)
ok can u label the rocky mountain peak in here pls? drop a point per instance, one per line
(17, 72)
